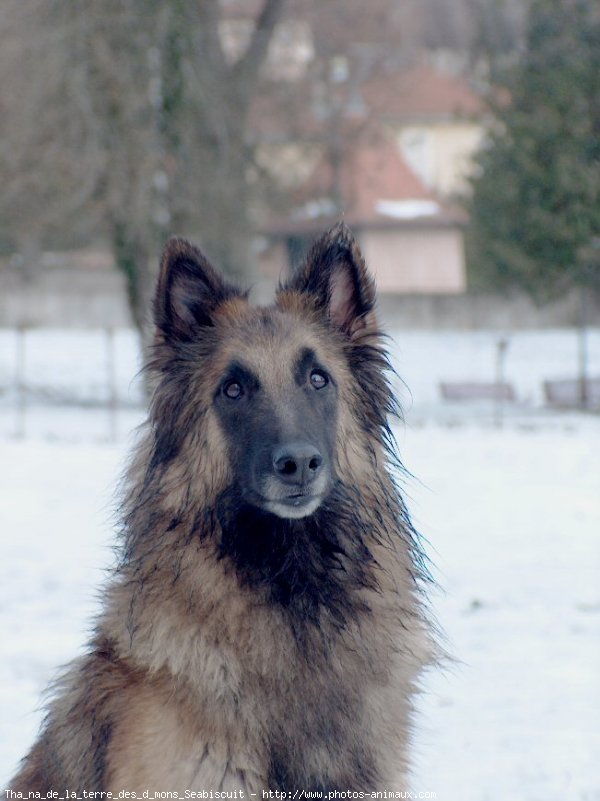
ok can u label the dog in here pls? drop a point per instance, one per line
(266, 626)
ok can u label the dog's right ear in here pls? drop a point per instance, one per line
(188, 292)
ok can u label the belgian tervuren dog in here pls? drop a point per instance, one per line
(265, 627)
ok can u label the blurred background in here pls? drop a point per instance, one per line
(460, 139)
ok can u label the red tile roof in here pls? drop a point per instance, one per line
(375, 187)
(421, 92)
(374, 170)
(288, 111)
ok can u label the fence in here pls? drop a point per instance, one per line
(92, 369)
(49, 377)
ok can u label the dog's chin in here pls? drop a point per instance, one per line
(293, 508)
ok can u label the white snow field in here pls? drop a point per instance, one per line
(512, 520)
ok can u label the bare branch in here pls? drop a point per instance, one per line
(245, 70)
(210, 50)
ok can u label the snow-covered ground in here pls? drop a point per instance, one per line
(512, 517)
(513, 522)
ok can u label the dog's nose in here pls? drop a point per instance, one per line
(297, 463)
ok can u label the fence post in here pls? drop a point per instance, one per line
(112, 382)
(501, 348)
(20, 367)
(583, 348)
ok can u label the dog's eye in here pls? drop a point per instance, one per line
(233, 390)
(319, 379)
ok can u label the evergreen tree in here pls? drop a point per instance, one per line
(535, 207)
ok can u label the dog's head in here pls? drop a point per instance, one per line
(273, 402)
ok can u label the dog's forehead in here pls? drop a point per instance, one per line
(268, 340)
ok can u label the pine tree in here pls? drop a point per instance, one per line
(535, 207)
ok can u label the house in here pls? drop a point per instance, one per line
(411, 238)
(436, 120)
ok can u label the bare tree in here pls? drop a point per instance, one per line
(128, 118)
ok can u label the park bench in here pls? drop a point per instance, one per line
(477, 391)
(566, 393)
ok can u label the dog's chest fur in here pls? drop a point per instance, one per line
(280, 705)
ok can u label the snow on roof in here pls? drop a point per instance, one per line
(407, 209)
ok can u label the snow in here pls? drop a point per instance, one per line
(512, 520)
(55, 519)
(407, 209)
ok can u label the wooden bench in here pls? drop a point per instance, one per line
(477, 391)
(566, 393)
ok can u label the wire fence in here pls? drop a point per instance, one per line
(95, 370)
(59, 381)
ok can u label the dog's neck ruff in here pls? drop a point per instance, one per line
(307, 565)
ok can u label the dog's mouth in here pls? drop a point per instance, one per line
(291, 501)
(293, 505)
(299, 498)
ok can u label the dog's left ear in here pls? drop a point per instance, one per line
(335, 274)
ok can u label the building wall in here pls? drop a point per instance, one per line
(441, 154)
(64, 298)
(71, 298)
(416, 260)
(483, 310)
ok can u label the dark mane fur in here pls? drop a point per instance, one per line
(307, 564)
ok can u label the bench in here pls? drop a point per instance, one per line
(477, 391)
(566, 393)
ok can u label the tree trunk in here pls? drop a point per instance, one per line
(228, 232)
(132, 258)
